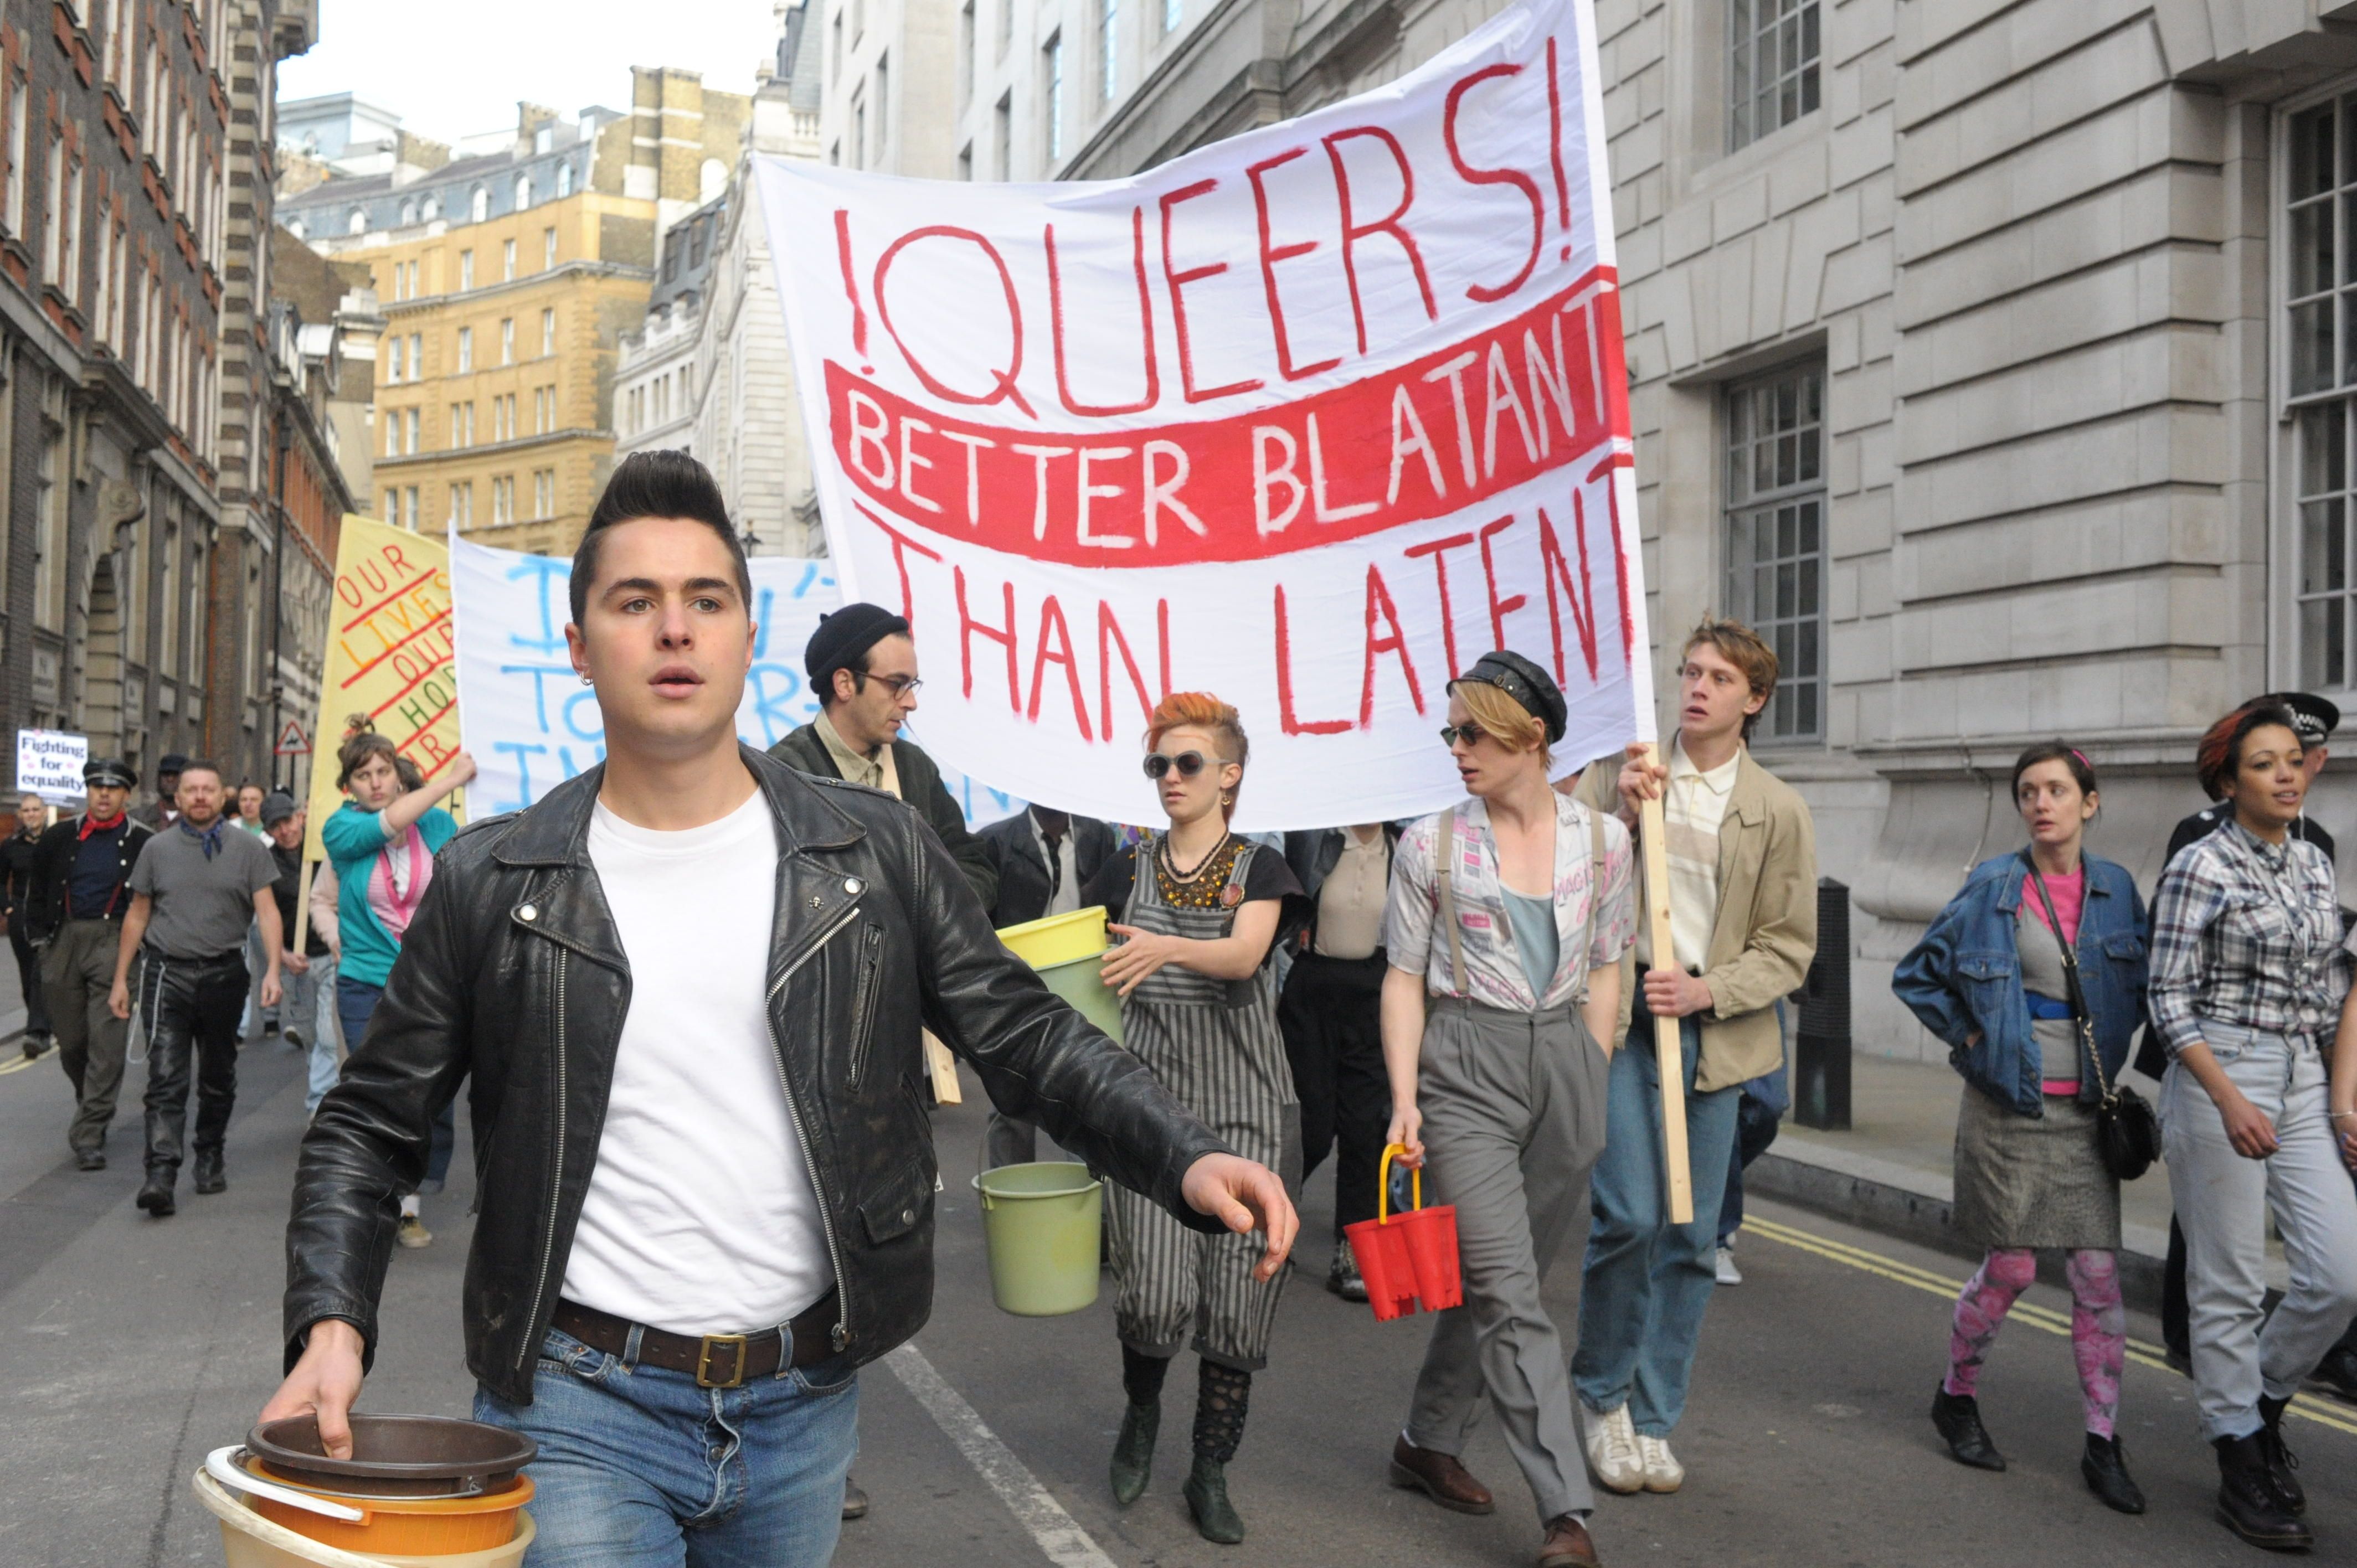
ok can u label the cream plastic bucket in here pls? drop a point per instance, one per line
(249, 1541)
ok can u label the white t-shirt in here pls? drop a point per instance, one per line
(700, 1217)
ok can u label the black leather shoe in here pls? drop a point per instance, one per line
(89, 1160)
(156, 1196)
(211, 1178)
(1958, 1419)
(2337, 1373)
(2281, 1460)
(2105, 1467)
(1132, 1451)
(1207, 1498)
(2247, 1503)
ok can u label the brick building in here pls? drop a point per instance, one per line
(125, 269)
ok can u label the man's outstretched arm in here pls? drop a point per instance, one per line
(366, 1147)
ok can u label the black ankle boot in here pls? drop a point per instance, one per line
(155, 1196)
(209, 1174)
(1958, 1419)
(2105, 1467)
(2281, 1460)
(1207, 1499)
(2247, 1502)
(1132, 1451)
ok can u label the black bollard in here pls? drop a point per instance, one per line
(1821, 1047)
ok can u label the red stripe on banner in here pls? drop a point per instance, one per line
(1428, 438)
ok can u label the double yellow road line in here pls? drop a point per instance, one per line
(22, 1062)
(1949, 1286)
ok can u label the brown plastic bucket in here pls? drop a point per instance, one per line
(395, 1455)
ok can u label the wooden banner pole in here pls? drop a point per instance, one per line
(1668, 1053)
(302, 912)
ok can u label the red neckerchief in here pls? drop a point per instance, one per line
(91, 824)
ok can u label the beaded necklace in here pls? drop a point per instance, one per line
(1201, 887)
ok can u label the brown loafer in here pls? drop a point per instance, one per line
(1438, 1477)
(1567, 1544)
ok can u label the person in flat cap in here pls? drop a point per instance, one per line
(1503, 930)
(863, 665)
(1742, 858)
(80, 890)
(163, 811)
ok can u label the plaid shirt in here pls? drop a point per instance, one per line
(2248, 933)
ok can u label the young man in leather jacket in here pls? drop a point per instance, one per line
(687, 986)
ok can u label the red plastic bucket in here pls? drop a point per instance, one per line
(1408, 1259)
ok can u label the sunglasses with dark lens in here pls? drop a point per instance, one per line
(1470, 733)
(1187, 763)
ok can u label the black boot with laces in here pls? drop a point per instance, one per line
(2247, 1501)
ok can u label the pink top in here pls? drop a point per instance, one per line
(2070, 895)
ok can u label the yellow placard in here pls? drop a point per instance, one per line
(391, 656)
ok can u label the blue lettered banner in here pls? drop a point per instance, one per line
(531, 724)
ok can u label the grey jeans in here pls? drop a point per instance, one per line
(1513, 1121)
(2222, 1202)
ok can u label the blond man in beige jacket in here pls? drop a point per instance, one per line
(1743, 917)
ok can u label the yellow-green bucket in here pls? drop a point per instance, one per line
(1041, 1224)
(1066, 951)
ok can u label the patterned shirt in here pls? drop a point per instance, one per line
(1493, 968)
(2248, 933)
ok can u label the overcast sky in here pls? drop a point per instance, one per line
(450, 68)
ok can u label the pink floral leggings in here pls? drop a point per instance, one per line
(2099, 1338)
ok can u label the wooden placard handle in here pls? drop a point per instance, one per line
(1669, 1056)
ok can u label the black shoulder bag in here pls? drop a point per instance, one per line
(2128, 1134)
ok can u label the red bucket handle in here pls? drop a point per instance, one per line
(1384, 1183)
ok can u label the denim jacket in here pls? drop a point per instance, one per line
(1964, 977)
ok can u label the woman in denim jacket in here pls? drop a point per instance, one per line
(1988, 979)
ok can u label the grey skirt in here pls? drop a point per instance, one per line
(2025, 1181)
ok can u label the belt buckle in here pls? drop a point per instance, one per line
(704, 1377)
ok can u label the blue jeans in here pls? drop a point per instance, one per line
(641, 1468)
(1646, 1282)
(320, 1023)
(1757, 1115)
(356, 1002)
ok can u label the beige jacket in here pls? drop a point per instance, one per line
(1765, 934)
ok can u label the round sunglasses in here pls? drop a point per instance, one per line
(1187, 763)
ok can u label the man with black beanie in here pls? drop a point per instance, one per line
(863, 665)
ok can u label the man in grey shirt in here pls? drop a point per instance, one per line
(199, 885)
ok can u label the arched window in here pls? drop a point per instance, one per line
(565, 179)
(359, 225)
(296, 229)
(480, 206)
(432, 207)
(523, 191)
(408, 212)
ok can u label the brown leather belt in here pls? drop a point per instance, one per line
(716, 1360)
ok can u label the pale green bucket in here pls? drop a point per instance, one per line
(1041, 1224)
(1078, 982)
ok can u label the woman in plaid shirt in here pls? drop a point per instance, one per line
(2248, 977)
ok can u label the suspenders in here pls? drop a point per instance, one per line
(1445, 852)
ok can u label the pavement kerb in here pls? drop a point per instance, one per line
(1915, 1206)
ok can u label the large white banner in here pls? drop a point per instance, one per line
(1311, 418)
(530, 723)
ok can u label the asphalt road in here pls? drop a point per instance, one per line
(129, 1347)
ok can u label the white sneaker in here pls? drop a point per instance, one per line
(1728, 1275)
(1612, 1455)
(1663, 1471)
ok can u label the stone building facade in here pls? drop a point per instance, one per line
(1989, 354)
(710, 374)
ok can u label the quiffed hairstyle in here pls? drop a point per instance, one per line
(656, 484)
(1200, 710)
(353, 755)
(2219, 755)
(2083, 772)
(1743, 648)
(205, 765)
(1499, 715)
